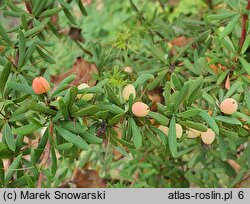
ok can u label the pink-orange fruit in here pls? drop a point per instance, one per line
(192, 133)
(87, 96)
(178, 130)
(163, 129)
(40, 85)
(208, 136)
(228, 106)
(140, 109)
(127, 91)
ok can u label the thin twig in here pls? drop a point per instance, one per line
(45, 157)
(83, 49)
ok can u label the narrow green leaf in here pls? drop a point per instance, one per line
(82, 9)
(5, 35)
(42, 144)
(34, 31)
(137, 137)
(46, 57)
(153, 138)
(69, 16)
(64, 146)
(86, 111)
(222, 77)
(72, 138)
(73, 126)
(50, 12)
(38, 7)
(22, 48)
(245, 64)
(9, 137)
(210, 121)
(122, 151)
(42, 109)
(24, 22)
(4, 76)
(194, 125)
(237, 178)
(232, 89)
(30, 52)
(161, 134)
(116, 119)
(5, 151)
(91, 138)
(228, 133)
(20, 87)
(181, 96)
(161, 119)
(142, 79)
(229, 120)
(65, 4)
(189, 113)
(222, 147)
(185, 151)
(248, 155)
(111, 108)
(156, 82)
(63, 84)
(12, 168)
(2, 172)
(220, 16)
(123, 142)
(63, 109)
(172, 141)
(167, 93)
(26, 130)
(54, 161)
(176, 84)
(112, 96)
(230, 26)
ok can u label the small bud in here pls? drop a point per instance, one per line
(140, 109)
(85, 97)
(127, 91)
(221, 28)
(208, 136)
(40, 85)
(192, 133)
(129, 70)
(228, 106)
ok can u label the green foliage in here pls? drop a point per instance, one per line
(192, 79)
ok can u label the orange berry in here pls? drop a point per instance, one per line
(40, 85)
(127, 91)
(140, 109)
(208, 136)
(228, 106)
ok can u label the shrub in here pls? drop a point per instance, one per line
(181, 69)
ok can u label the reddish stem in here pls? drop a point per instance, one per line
(244, 24)
(28, 6)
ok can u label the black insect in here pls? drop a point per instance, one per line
(101, 128)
